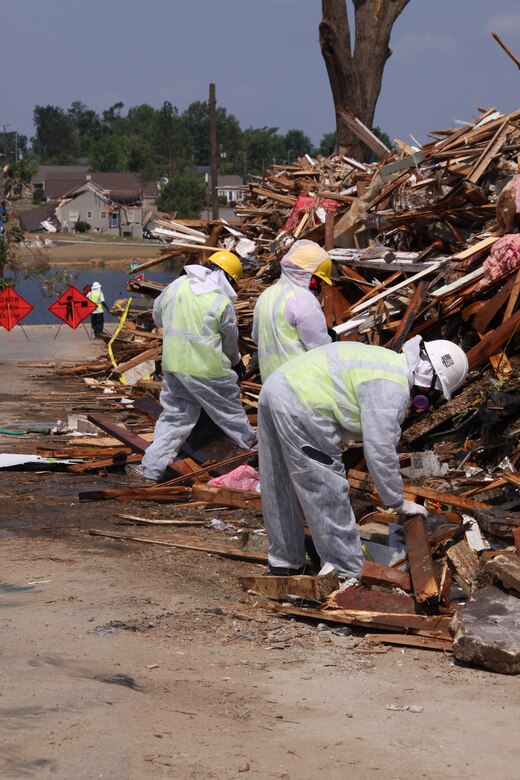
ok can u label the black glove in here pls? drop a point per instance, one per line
(239, 369)
(332, 333)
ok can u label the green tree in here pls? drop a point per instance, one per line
(297, 144)
(327, 144)
(229, 134)
(183, 195)
(54, 140)
(87, 126)
(172, 142)
(263, 145)
(108, 154)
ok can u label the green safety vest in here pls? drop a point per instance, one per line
(192, 343)
(278, 341)
(96, 296)
(327, 380)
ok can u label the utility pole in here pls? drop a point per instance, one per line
(213, 150)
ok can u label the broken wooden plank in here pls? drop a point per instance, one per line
(225, 552)
(144, 493)
(493, 341)
(422, 572)
(428, 625)
(409, 316)
(373, 601)
(412, 640)
(384, 576)
(312, 588)
(156, 521)
(464, 564)
(226, 497)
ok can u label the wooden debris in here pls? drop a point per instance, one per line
(425, 587)
(310, 588)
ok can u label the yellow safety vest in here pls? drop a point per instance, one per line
(278, 341)
(96, 296)
(326, 380)
(192, 343)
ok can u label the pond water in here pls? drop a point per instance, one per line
(113, 284)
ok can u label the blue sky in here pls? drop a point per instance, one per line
(263, 56)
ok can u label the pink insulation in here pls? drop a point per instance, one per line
(241, 478)
(504, 256)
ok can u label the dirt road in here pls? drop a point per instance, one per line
(121, 660)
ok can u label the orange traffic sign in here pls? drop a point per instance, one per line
(13, 308)
(72, 307)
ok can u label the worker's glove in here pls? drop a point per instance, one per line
(333, 335)
(411, 508)
(239, 369)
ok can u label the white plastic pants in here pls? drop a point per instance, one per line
(182, 397)
(291, 442)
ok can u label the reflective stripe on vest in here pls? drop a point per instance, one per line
(191, 337)
(278, 341)
(96, 296)
(327, 379)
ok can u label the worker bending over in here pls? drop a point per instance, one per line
(288, 320)
(306, 408)
(200, 360)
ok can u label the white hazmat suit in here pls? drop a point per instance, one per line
(338, 391)
(200, 346)
(288, 319)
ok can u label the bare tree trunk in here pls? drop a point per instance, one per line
(355, 77)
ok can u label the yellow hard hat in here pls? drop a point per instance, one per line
(229, 263)
(324, 271)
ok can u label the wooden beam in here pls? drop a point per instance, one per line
(225, 497)
(493, 341)
(312, 588)
(437, 625)
(384, 576)
(374, 601)
(412, 640)
(409, 316)
(225, 552)
(424, 582)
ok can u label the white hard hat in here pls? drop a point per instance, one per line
(450, 364)
(96, 286)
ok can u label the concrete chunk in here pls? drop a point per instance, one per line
(506, 568)
(487, 631)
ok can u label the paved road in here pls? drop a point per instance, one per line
(48, 343)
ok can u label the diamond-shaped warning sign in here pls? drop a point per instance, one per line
(72, 307)
(13, 308)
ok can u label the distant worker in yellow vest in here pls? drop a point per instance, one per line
(340, 391)
(200, 359)
(97, 318)
(288, 320)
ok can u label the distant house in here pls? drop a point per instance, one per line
(232, 188)
(112, 203)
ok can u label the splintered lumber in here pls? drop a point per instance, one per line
(516, 537)
(144, 493)
(409, 316)
(412, 640)
(425, 587)
(384, 576)
(373, 601)
(226, 497)
(464, 565)
(493, 341)
(183, 543)
(149, 354)
(360, 480)
(436, 625)
(119, 459)
(311, 588)
(137, 443)
(157, 521)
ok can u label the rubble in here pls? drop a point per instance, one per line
(422, 243)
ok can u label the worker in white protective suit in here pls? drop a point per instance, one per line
(288, 320)
(340, 391)
(200, 360)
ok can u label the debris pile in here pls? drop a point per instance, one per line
(423, 242)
